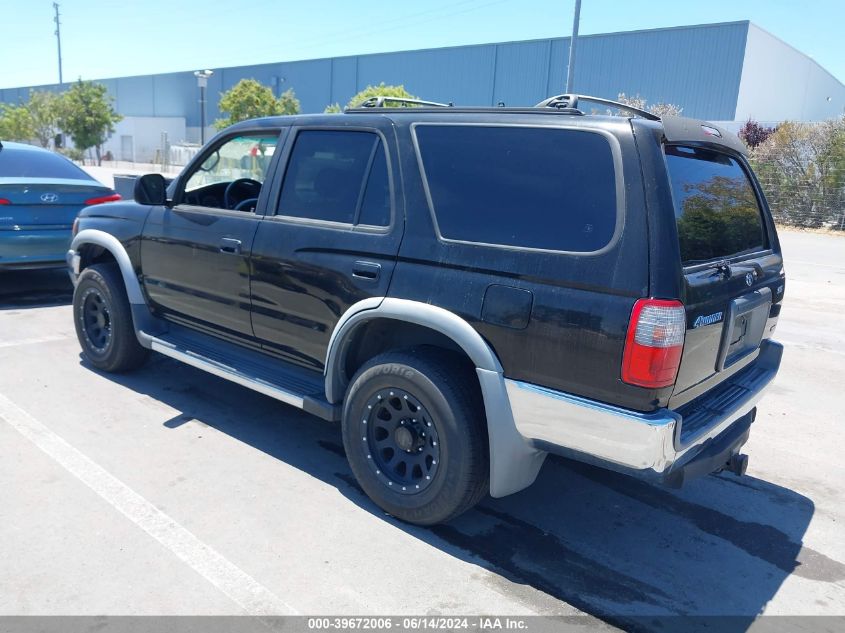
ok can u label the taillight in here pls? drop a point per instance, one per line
(4, 201)
(654, 343)
(110, 198)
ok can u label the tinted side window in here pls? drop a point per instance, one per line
(375, 208)
(716, 209)
(528, 187)
(326, 178)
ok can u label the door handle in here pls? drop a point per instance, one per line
(366, 270)
(230, 245)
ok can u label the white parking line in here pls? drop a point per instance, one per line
(34, 341)
(253, 597)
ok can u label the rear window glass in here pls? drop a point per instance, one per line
(541, 188)
(716, 209)
(35, 164)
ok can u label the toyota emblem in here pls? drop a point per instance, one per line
(49, 197)
(749, 279)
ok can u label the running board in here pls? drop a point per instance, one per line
(253, 370)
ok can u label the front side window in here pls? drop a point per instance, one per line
(231, 177)
(716, 209)
(337, 176)
(541, 188)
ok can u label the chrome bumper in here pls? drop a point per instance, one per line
(644, 444)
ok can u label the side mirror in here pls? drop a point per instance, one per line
(151, 189)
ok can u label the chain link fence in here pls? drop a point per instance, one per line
(801, 167)
(804, 204)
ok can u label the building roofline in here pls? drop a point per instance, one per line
(413, 50)
(799, 51)
(531, 41)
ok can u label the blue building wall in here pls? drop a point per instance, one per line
(695, 67)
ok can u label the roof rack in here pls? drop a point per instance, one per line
(570, 102)
(381, 101)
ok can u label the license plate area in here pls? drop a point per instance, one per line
(744, 326)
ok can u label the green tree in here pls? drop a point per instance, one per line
(380, 91)
(290, 104)
(249, 99)
(15, 123)
(86, 114)
(43, 108)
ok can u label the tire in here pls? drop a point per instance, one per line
(421, 408)
(103, 320)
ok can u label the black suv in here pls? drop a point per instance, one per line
(465, 289)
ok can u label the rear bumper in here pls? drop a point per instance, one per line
(648, 445)
(33, 248)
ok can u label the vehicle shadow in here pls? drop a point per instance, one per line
(34, 288)
(624, 551)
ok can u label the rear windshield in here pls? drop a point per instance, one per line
(541, 188)
(716, 209)
(35, 164)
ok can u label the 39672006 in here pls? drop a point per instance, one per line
(350, 623)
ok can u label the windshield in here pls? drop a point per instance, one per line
(240, 157)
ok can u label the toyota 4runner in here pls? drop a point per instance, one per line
(465, 289)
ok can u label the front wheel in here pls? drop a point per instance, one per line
(103, 320)
(415, 435)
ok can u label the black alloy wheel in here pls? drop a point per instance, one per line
(401, 440)
(415, 434)
(103, 320)
(96, 320)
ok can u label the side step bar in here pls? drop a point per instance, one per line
(273, 378)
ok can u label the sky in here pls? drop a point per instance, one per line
(108, 38)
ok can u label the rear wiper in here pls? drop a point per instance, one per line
(722, 266)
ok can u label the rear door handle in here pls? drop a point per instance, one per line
(230, 245)
(366, 270)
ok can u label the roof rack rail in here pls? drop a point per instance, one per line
(381, 101)
(570, 101)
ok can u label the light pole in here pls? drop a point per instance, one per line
(570, 73)
(202, 81)
(58, 39)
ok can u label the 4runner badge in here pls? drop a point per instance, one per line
(707, 320)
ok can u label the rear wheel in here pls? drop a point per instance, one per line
(103, 320)
(415, 435)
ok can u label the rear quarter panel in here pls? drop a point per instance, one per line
(579, 304)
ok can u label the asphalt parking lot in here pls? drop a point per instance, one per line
(170, 491)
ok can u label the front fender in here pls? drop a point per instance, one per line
(143, 321)
(118, 251)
